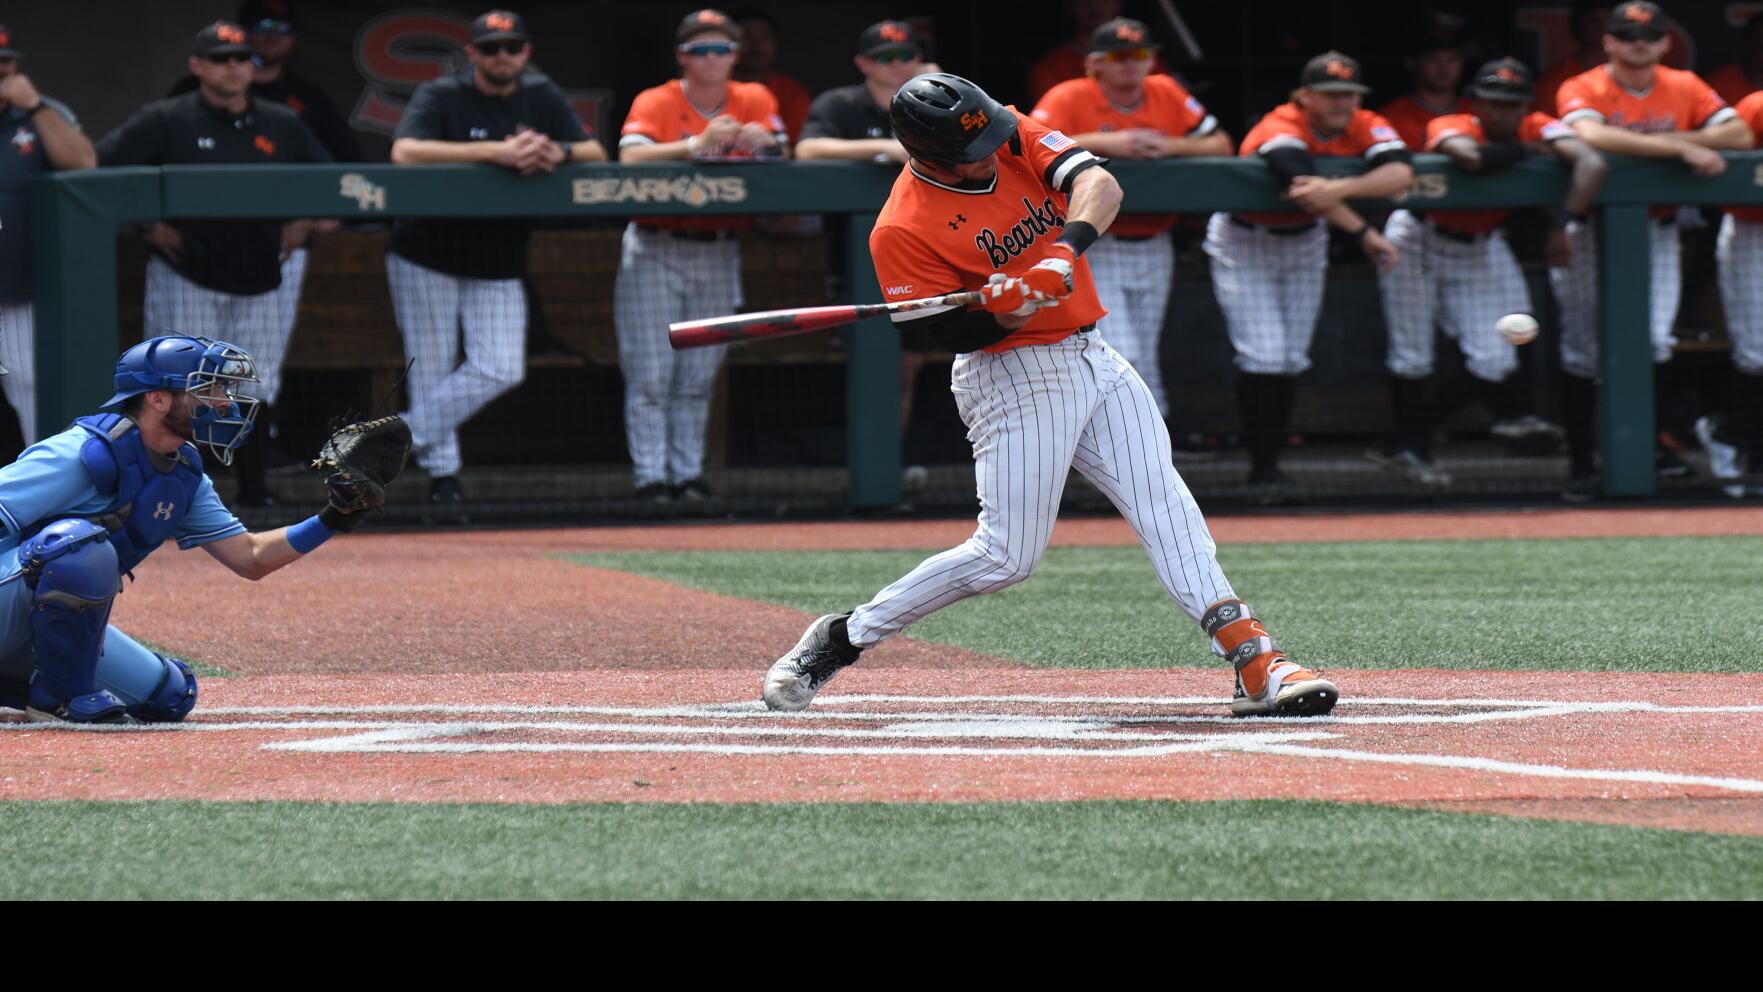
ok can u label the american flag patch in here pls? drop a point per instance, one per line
(1056, 141)
(1384, 133)
(1556, 129)
(1194, 106)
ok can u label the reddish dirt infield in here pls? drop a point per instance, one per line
(1534, 744)
(538, 680)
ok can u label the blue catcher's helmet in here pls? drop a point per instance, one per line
(212, 370)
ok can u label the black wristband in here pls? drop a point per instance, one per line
(1359, 235)
(568, 152)
(1079, 236)
(337, 520)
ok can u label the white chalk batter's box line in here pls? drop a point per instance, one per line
(989, 726)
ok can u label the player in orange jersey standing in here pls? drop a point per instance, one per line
(994, 202)
(684, 268)
(1121, 110)
(1631, 105)
(1268, 268)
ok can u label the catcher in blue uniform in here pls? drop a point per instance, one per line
(82, 508)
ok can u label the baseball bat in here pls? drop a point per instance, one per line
(777, 323)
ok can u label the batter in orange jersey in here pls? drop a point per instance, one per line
(992, 200)
(1124, 111)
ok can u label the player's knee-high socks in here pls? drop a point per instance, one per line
(1580, 417)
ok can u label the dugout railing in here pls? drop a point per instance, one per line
(76, 217)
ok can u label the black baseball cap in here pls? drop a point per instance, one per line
(1638, 18)
(221, 38)
(700, 21)
(273, 16)
(6, 49)
(498, 25)
(1122, 32)
(888, 36)
(1333, 72)
(1506, 79)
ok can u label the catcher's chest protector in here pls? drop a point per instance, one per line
(148, 504)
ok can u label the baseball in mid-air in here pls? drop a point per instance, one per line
(1517, 328)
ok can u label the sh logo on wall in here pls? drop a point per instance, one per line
(399, 51)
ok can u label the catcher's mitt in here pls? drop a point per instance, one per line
(359, 461)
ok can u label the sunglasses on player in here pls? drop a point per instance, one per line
(702, 49)
(225, 57)
(500, 47)
(896, 55)
(1638, 34)
(1128, 55)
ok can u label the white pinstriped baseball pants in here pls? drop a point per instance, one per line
(18, 353)
(175, 305)
(1034, 413)
(1466, 287)
(663, 280)
(1133, 279)
(1270, 289)
(1576, 291)
(432, 308)
(1739, 254)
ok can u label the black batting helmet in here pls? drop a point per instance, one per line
(947, 121)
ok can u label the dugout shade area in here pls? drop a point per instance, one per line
(811, 424)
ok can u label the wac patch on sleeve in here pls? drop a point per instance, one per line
(1057, 142)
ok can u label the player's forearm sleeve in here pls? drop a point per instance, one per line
(1287, 163)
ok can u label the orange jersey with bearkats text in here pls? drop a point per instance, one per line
(933, 238)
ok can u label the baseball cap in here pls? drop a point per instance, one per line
(700, 21)
(1504, 79)
(6, 49)
(1638, 17)
(1121, 32)
(1333, 72)
(221, 38)
(268, 16)
(498, 25)
(884, 36)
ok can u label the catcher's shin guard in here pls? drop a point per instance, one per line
(1268, 683)
(71, 569)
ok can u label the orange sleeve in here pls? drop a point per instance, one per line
(647, 117)
(1055, 157)
(907, 268)
(1268, 129)
(1542, 127)
(1054, 110)
(1451, 126)
(1703, 102)
(1379, 134)
(757, 106)
(1576, 98)
(1750, 110)
(1187, 112)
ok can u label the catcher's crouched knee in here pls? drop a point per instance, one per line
(175, 697)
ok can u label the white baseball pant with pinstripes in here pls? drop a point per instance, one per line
(1466, 287)
(432, 308)
(175, 305)
(18, 355)
(664, 280)
(1270, 289)
(1576, 291)
(1739, 254)
(1132, 282)
(1033, 413)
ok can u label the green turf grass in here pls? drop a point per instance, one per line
(1090, 850)
(1640, 604)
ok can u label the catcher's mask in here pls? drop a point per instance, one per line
(210, 371)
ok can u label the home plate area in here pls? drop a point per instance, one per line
(898, 734)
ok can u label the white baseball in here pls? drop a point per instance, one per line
(1517, 328)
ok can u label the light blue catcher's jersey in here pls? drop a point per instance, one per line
(49, 482)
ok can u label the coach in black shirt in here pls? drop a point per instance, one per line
(448, 274)
(217, 278)
(852, 122)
